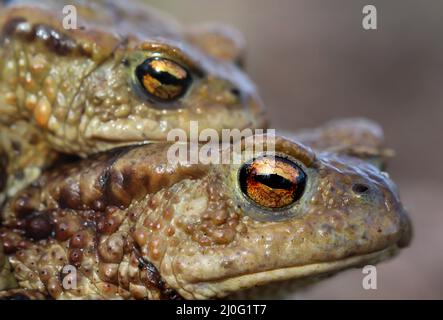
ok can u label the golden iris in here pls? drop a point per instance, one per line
(163, 79)
(272, 181)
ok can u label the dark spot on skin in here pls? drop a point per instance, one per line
(38, 226)
(108, 177)
(129, 179)
(54, 40)
(136, 183)
(155, 280)
(3, 170)
(46, 34)
(125, 62)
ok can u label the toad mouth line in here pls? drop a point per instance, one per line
(300, 272)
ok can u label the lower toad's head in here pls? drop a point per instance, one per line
(282, 212)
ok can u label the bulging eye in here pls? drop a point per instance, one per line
(163, 79)
(272, 181)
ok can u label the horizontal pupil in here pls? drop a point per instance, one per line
(165, 77)
(274, 181)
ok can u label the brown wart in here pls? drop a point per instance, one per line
(52, 38)
(130, 175)
(39, 226)
(66, 226)
(12, 241)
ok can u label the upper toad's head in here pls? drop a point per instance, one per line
(124, 74)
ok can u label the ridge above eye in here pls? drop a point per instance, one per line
(163, 79)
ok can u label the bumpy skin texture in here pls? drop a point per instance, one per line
(356, 137)
(7, 280)
(74, 90)
(136, 226)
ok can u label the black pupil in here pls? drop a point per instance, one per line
(274, 181)
(164, 77)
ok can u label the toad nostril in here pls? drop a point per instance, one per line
(360, 188)
(236, 92)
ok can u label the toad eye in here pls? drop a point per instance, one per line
(163, 79)
(272, 181)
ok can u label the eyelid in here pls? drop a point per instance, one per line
(283, 147)
(296, 150)
(174, 53)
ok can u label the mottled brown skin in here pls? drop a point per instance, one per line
(137, 226)
(74, 90)
(353, 136)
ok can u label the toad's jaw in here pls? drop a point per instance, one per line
(222, 288)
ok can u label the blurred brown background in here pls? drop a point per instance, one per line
(312, 61)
